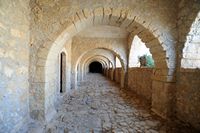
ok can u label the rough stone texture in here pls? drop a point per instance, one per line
(140, 81)
(52, 28)
(34, 33)
(117, 76)
(83, 45)
(187, 93)
(14, 64)
(188, 97)
(191, 51)
(111, 73)
(189, 34)
(162, 98)
(100, 106)
(104, 56)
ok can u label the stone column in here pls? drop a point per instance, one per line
(163, 88)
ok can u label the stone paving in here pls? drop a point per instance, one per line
(100, 106)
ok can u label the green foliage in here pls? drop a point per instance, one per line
(146, 60)
(150, 61)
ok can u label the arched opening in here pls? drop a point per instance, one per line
(101, 55)
(140, 69)
(47, 55)
(62, 72)
(95, 67)
(110, 65)
(191, 51)
(140, 55)
(118, 63)
(118, 70)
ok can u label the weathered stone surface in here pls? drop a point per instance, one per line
(33, 33)
(100, 106)
(188, 96)
(140, 81)
(14, 65)
(117, 77)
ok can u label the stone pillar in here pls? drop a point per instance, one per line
(74, 80)
(122, 77)
(112, 74)
(163, 89)
(107, 72)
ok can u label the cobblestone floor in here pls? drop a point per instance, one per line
(100, 106)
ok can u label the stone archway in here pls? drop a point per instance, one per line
(112, 50)
(105, 62)
(117, 17)
(95, 67)
(84, 66)
(103, 54)
(87, 61)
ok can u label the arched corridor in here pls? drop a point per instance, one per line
(99, 66)
(95, 67)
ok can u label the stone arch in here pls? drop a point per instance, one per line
(103, 58)
(137, 48)
(106, 59)
(96, 52)
(95, 67)
(191, 50)
(103, 63)
(121, 17)
(93, 53)
(106, 69)
(118, 62)
(99, 57)
(88, 60)
(111, 65)
(119, 55)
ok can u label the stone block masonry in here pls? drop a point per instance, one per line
(34, 33)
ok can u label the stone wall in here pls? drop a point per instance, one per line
(140, 81)
(68, 66)
(110, 74)
(118, 72)
(52, 90)
(14, 65)
(188, 97)
(29, 54)
(187, 106)
(48, 24)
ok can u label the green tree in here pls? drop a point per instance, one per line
(150, 61)
(146, 60)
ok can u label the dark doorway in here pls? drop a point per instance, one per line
(62, 72)
(95, 67)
